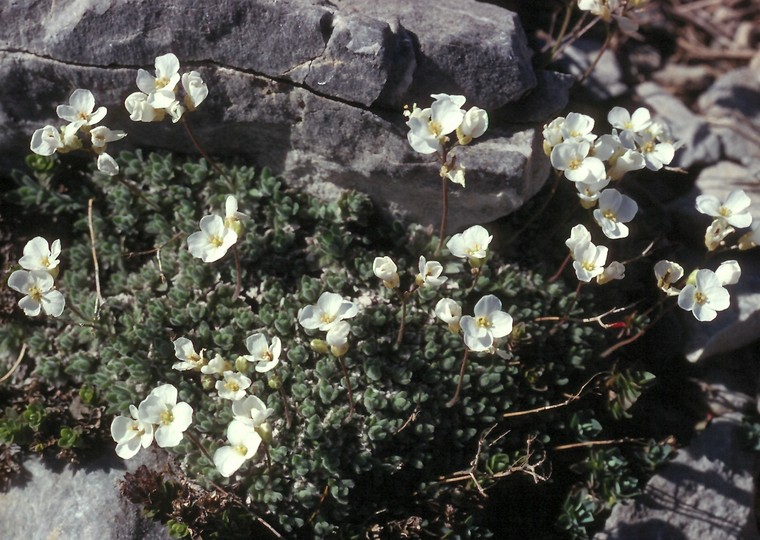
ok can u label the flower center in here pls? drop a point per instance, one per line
(483, 322)
(45, 262)
(216, 241)
(725, 212)
(161, 83)
(166, 417)
(232, 386)
(326, 318)
(83, 115)
(241, 449)
(610, 215)
(435, 128)
(588, 265)
(267, 356)
(35, 293)
(574, 164)
(648, 147)
(700, 297)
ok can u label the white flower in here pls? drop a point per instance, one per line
(232, 386)
(667, 273)
(578, 127)
(265, 356)
(655, 154)
(716, 232)
(628, 123)
(160, 89)
(251, 411)
(449, 311)
(588, 192)
(45, 141)
(216, 366)
(184, 350)
(705, 296)
(729, 272)
(734, 210)
(337, 338)
(428, 128)
(600, 8)
(244, 443)
(630, 160)
(589, 261)
(140, 111)
(232, 218)
(328, 311)
(107, 164)
(553, 134)
(195, 89)
(572, 157)
(472, 244)
(614, 210)
(212, 241)
(385, 269)
(37, 286)
(489, 323)
(80, 109)
(579, 236)
(430, 273)
(455, 173)
(175, 110)
(39, 256)
(172, 418)
(474, 124)
(131, 434)
(101, 136)
(614, 270)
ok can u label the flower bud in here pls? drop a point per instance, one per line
(318, 345)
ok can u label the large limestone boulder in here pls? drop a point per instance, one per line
(311, 88)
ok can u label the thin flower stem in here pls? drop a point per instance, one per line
(349, 390)
(555, 277)
(454, 399)
(562, 31)
(136, 191)
(589, 444)
(16, 363)
(444, 214)
(565, 403)
(98, 297)
(286, 408)
(591, 68)
(238, 279)
(197, 443)
(537, 213)
(475, 276)
(400, 335)
(201, 150)
(566, 316)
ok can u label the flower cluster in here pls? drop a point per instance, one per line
(589, 259)
(429, 131)
(81, 116)
(636, 141)
(328, 315)
(37, 279)
(217, 234)
(159, 416)
(158, 94)
(617, 10)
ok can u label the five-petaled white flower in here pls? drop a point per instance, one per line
(160, 89)
(704, 295)
(614, 210)
(232, 218)
(37, 286)
(614, 270)
(251, 411)
(430, 273)
(265, 356)
(131, 433)
(734, 210)
(328, 311)
(385, 269)
(577, 127)
(140, 110)
(489, 323)
(216, 366)
(81, 109)
(579, 236)
(232, 386)
(184, 350)
(101, 136)
(244, 443)
(46, 140)
(472, 244)
(213, 240)
(195, 89)
(39, 256)
(629, 124)
(172, 418)
(474, 124)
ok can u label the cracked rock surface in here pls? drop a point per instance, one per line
(312, 89)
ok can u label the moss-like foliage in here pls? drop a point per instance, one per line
(404, 462)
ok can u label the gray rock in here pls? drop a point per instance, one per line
(311, 89)
(732, 106)
(606, 80)
(699, 145)
(544, 102)
(705, 493)
(82, 503)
